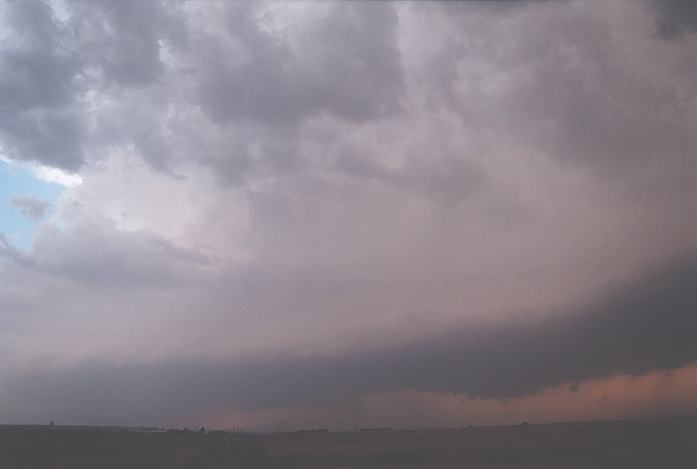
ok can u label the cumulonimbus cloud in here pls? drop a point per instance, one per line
(267, 178)
(635, 329)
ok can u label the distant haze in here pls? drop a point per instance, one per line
(348, 213)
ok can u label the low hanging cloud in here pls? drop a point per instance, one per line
(649, 325)
(31, 207)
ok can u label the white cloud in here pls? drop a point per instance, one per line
(57, 175)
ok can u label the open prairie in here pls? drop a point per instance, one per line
(619, 444)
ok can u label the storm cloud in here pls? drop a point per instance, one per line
(674, 17)
(632, 329)
(293, 204)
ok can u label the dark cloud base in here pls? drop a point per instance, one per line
(647, 326)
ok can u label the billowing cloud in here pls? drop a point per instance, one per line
(40, 117)
(122, 40)
(288, 205)
(344, 61)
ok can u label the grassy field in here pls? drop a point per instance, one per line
(670, 443)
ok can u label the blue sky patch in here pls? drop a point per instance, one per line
(21, 180)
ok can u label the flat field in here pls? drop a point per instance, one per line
(665, 443)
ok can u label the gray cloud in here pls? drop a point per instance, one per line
(98, 254)
(8, 251)
(675, 17)
(582, 98)
(345, 62)
(31, 207)
(638, 328)
(51, 65)
(39, 120)
(123, 39)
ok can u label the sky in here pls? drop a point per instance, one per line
(409, 214)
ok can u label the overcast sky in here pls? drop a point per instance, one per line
(402, 214)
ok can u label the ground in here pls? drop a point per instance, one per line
(664, 443)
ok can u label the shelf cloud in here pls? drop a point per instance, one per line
(296, 204)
